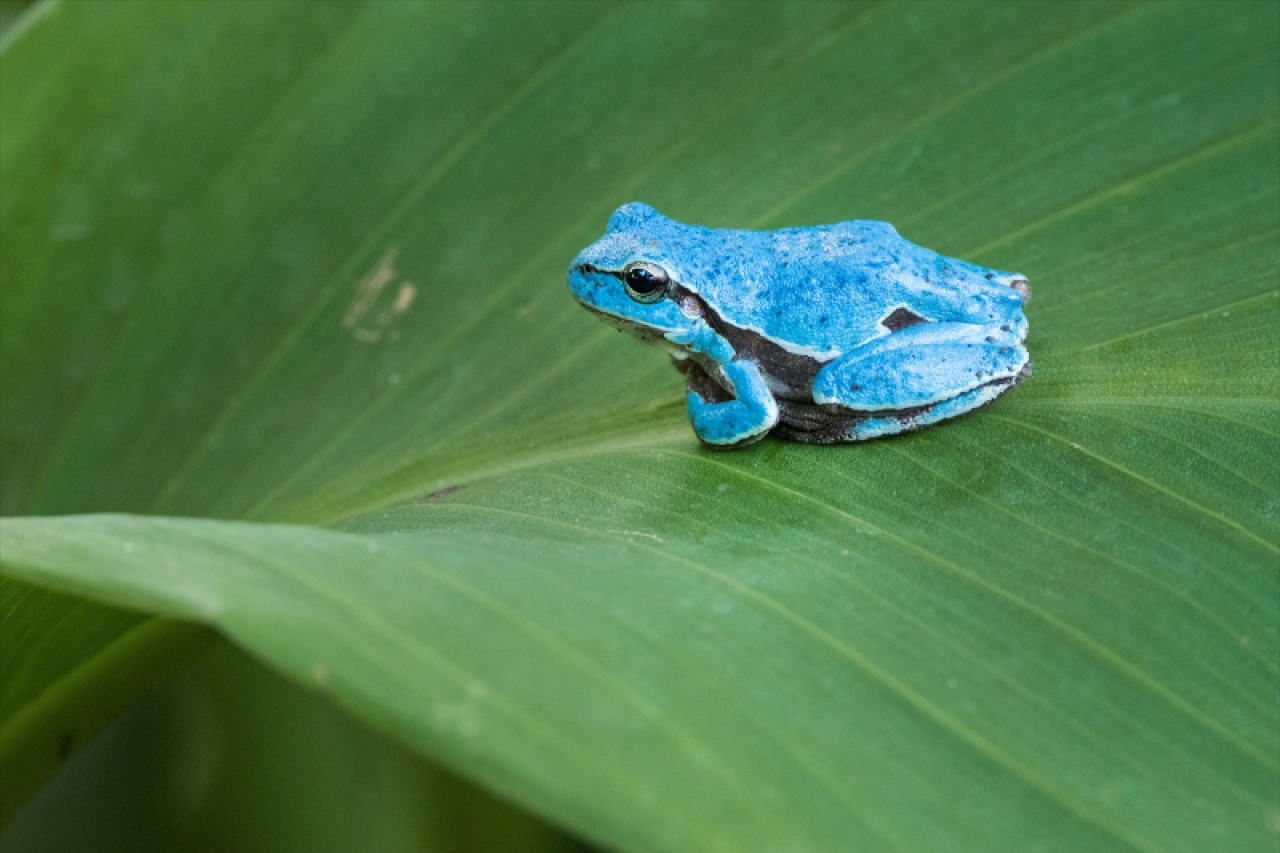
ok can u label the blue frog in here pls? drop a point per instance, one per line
(824, 334)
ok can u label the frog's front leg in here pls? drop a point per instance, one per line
(921, 365)
(730, 403)
(735, 422)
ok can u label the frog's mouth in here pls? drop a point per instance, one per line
(622, 324)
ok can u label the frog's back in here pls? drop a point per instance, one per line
(823, 290)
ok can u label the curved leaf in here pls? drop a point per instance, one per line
(305, 264)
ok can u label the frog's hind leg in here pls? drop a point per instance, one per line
(830, 425)
(883, 425)
(927, 365)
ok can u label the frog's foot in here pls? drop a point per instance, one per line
(731, 424)
(929, 365)
(722, 421)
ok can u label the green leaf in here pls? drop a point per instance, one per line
(225, 755)
(275, 263)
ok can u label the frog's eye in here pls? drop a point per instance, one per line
(645, 282)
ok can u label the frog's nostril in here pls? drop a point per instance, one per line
(586, 268)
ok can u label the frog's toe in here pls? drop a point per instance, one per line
(1020, 284)
(1014, 280)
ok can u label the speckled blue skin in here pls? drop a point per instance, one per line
(830, 333)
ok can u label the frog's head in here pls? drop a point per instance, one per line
(627, 278)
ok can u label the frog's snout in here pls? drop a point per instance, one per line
(582, 273)
(586, 281)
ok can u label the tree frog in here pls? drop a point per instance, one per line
(823, 334)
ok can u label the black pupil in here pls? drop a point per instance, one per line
(643, 281)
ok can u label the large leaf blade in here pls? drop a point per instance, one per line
(642, 681)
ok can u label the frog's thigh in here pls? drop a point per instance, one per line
(737, 421)
(919, 366)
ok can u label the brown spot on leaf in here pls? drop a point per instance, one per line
(441, 494)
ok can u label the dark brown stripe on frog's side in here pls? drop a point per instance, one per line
(794, 371)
